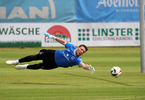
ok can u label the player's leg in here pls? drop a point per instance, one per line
(25, 59)
(49, 66)
(36, 66)
(27, 66)
(40, 56)
(29, 58)
(47, 57)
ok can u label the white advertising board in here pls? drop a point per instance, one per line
(91, 34)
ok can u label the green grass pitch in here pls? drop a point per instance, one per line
(74, 83)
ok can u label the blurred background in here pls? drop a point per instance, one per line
(92, 22)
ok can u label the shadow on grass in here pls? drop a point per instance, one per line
(39, 83)
(45, 84)
(99, 79)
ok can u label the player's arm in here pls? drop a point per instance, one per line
(87, 67)
(61, 41)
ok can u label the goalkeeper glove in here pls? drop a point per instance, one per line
(47, 35)
(91, 68)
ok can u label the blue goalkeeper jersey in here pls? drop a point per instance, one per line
(67, 57)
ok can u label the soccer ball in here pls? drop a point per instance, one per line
(115, 71)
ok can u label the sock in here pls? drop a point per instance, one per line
(25, 66)
(17, 61)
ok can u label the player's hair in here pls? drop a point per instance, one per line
(84, 46)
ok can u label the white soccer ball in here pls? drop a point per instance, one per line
(115, 71)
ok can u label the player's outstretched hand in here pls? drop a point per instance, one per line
(47, 35)
(92, 69)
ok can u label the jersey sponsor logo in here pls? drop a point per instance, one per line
(66, 56)
(60, 32)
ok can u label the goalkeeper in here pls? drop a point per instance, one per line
(55, 58)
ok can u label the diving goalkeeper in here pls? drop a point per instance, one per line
(55, 58)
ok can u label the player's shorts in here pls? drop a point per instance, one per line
(48, 59)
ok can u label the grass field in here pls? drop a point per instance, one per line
(74, 83)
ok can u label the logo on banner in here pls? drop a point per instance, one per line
(40, 11)
(19, 31)
(60, 32)
(83, 34)
(110, 34)
(19, 12)
(137, 34)
(121, 5)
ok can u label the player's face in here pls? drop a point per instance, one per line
(80, 50)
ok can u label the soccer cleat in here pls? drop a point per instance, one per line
(11, 62)
(20, 67)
